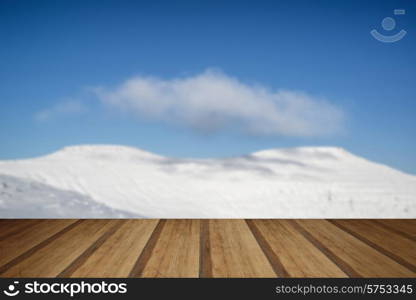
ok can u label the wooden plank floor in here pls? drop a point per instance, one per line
(207, 248)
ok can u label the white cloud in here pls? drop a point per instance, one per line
(212, 101)
(65, 108)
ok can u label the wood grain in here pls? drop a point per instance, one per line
(235, 251)
(89, 251)
(58, 254)
(207, 248)
(271, 255)
(176, 253)
(147, 251)
(205, 261)
(11, 227)
(299, 257)
(359, 256)
(117, 255)
(405, 227)
(26, 238)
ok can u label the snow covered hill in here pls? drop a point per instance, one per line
(118, 181)
(28, 199)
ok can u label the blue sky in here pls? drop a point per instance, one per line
(65, 69)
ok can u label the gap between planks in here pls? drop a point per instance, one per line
(205, 259)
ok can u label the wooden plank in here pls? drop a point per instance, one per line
(207, 248)
(405, 227)
(74, 265)
(235, 251)
(144, 257)
(325, 250)
(176, 253)
(205, 262)
(389, 243)
(360, 257)
(299, 257)
(117, 255)
(53, 258)
(4, 223)
(26, 238)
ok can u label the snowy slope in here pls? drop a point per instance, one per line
(306, 182)
(30, 199)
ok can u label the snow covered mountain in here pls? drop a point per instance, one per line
(117, 181)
